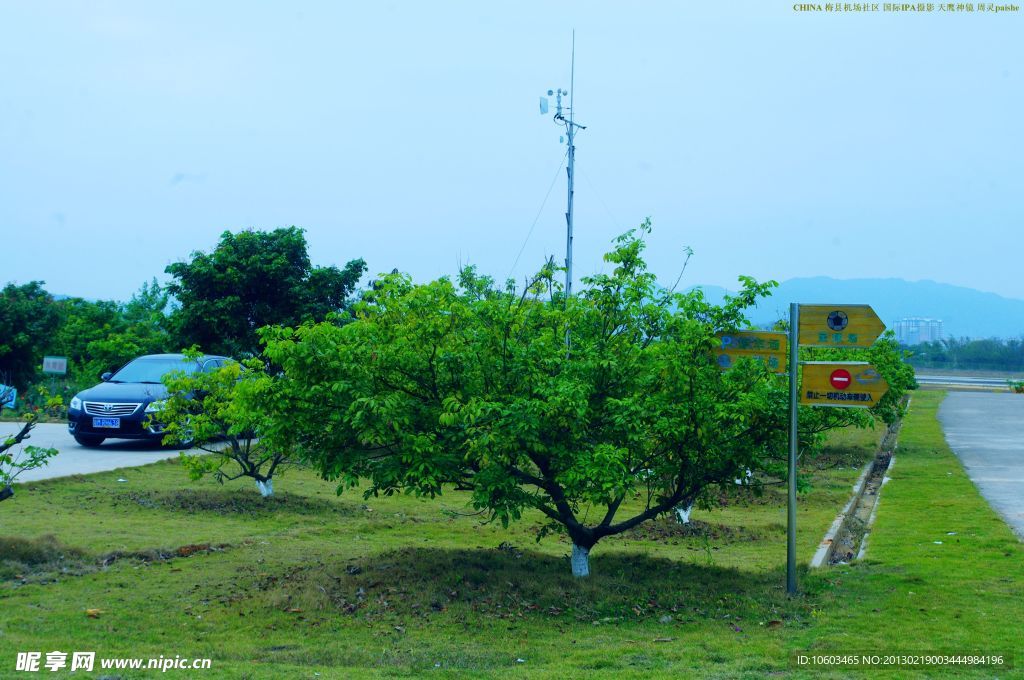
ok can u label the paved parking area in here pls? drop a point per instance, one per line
(75, 459)
(986, 430)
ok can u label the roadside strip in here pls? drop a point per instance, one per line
(847, 536)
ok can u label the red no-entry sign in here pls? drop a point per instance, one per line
(840, 378)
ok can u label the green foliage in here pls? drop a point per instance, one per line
(467, 383)
(103, 336)
(14, 459)
(474, 607)
(253, 279)
(28, 318)
(223, 412)
(963, 353)
(97, 336)
(142, 329)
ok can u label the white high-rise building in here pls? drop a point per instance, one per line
(915, 330)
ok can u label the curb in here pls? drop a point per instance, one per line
(825, 548)
(821, 554)
(874, 510)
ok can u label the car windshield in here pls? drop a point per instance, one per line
(151, 370)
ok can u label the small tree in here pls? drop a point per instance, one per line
(14, 463)
(221, 412)
(474, 385)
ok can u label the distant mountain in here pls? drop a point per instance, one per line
(964, 312)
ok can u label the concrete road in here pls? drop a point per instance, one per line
(75, 459)
(986, 430)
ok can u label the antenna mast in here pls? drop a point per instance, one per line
(571, 127)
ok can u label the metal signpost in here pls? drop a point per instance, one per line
(843, 384)
(766, 346)
(794, 360)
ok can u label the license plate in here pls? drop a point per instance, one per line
(106, 422)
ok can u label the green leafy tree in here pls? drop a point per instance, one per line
(250, 280)
(28, 319)
(99, 336)
(16, 459)
(81, 323)
(963, 353)
(223, 413)
(142, 328)
(467, 383)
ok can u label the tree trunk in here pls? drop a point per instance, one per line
(683, 514)
(266, 488)
(6, 492)
(580, 561)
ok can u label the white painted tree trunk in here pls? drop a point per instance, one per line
(266, 488)
(683, 514)
(580, 561)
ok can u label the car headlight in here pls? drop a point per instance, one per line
(76, 404)
(156, 406)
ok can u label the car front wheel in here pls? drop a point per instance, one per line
(89, 440)
(186, 437)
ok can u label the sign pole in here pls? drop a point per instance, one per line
(794, 358)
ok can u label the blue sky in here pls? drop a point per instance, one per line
(775, 143)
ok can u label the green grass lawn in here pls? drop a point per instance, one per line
(314, 585)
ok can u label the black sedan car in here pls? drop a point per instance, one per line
(118, 407)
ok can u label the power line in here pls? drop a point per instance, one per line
(539, 211)
(615, 222)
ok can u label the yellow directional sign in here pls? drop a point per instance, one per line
(765, 346)
(847, 384)
(839, 325)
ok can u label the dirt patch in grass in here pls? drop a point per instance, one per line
(746, 497)
(838, 457)
(231, 501)
(24, 557)
(417, 584)
(161, 554)
(667, 530)
(46, 559)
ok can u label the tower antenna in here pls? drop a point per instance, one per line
(565, 117)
